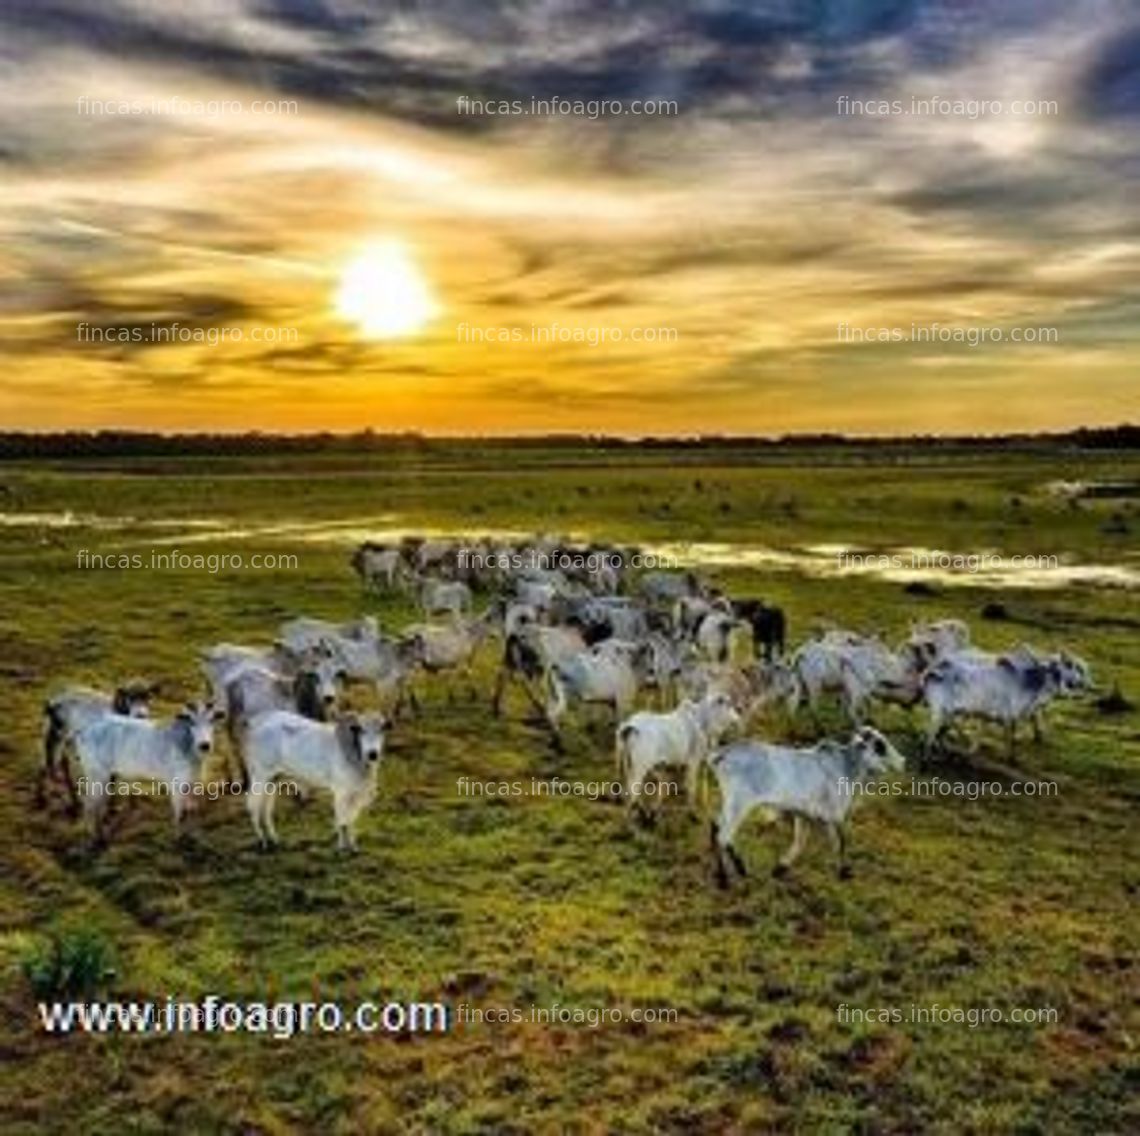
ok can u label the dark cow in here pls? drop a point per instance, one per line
(768, 623)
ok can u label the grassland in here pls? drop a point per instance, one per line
(1011, 902)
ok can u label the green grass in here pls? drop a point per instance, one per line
(1012, 902)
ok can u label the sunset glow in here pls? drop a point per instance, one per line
(384, 293)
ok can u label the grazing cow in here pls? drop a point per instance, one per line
(172, 753)
(341, 756)
(684, 737)
(450, 646)
(1006, 689)
(444, 646)
(768, 623)
(68, 712)
(818, 784)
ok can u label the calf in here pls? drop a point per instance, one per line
(71, 710)
(342, 756)
(819, 784)
(172, 753)
(684, 736)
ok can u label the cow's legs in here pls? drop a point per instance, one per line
(838, 836)
(799, 839)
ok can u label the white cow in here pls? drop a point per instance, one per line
(116, 748)
(819, 784)
(438, 647)
(445, 597)
(306, 634)
(684, 737)
(378, 566)
(856, 668)
(718, 634)
(341, 756)
(1006, 689)
(751, 688)
(529, 654)
(221, 662)
(68, 712)
(609, 673)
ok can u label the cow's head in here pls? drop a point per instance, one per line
(1072, 674)
(132, 699)
(875, 753)
(197, 720)
(773, 683)
(718, 715)
(318, 681)
(363, 738)
(366, 629)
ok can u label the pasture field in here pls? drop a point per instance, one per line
(1010, 902)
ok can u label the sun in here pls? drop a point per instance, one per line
(383, 292)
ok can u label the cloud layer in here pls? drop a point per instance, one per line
(886, 165)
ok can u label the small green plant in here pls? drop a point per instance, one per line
(69, 964)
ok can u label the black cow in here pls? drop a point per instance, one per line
(768, 623)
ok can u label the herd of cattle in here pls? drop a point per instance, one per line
(572, 627)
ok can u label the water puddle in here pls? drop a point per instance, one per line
(984, 569)
(69, 520)
(1102, 490)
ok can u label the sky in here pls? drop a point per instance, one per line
(298, 215)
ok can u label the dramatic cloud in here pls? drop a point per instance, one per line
(820, 186)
